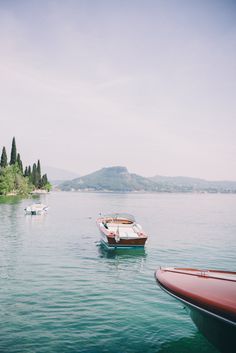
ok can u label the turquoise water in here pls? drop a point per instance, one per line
(61, 292)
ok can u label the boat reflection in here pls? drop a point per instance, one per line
(112, 254)
(35, 220)
(124, 262)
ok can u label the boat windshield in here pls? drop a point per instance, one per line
(126, 216)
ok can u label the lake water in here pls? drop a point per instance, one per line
(61, 292)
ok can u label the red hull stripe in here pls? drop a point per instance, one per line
(212, 293)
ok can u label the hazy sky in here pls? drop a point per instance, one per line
(150, 85)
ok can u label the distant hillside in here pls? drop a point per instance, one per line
(119, 179)
(110, 179)
(188, 184)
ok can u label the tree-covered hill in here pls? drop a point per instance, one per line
(16, 180)
(189, 184)
(110, 179)
(120, 180)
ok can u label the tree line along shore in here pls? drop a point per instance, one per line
(17, 180)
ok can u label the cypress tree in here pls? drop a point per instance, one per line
(29, 172)
(39, 174)
(19, 162)
(34, 171)
(13, 152)
(39, 169)
(26, 172)
(21, 167)
(35, 176)
(18, 159)
(44, 179)
(3, 163)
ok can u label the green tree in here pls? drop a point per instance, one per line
(13, 152)
(7, 180)
(35, 176)
(44, 180)
(19, 163)
(21, 184)
(39, 169)
(29, 173)
(14, 180)
(26, 172)
(45, 183)
(39, 174)
(3, 163)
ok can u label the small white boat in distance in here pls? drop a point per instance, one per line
(36, 209)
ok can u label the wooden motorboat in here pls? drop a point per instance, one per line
(36, 209)
(210, 296)
(121, 231)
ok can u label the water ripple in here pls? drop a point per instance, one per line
(61, 292)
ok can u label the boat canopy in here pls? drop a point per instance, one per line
(127, 216)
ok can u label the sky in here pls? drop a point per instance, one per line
(150, 85)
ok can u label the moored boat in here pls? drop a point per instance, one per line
(120, 231)
(210, 296)
(36, 209)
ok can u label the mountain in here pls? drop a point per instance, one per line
(119, 179)
(110, 179)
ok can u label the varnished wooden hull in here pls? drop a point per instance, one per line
(210, 297)
(126, 242)
(123, 243)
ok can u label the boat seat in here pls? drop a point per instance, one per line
(124, 231)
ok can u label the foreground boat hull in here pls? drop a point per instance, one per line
(220, 333)
(213, 316)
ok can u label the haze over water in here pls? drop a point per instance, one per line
(61, 292)
(150, 85)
